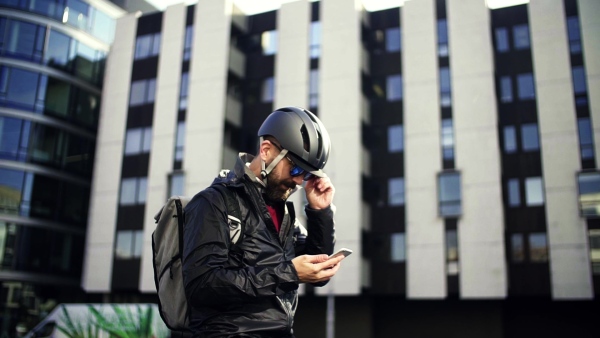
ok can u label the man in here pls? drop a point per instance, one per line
(250, 289)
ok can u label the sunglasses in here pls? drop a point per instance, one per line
(296, 170)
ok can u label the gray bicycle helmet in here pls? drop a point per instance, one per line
(302, 134)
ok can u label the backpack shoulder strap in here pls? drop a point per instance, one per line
(234, 214)
(291, 211)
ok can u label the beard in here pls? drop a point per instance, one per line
(278, 190)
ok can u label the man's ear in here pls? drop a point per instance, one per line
(266, 151)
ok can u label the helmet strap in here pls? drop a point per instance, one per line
(266, 171)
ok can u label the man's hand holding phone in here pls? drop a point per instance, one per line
(318, 268)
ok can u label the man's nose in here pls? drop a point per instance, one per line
(298, 179)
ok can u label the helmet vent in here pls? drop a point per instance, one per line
(305, 138)
(320, 145)
(310, 116)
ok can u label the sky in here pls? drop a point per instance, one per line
(258, 6)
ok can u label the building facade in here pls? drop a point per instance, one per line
(52, 61)
(464, 153)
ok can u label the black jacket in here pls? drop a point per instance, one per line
(250, 290)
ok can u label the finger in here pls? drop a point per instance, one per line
(324, 185)
(309, 185)
(330, 262)
(328, 273)
(316, 258)
(335, 259)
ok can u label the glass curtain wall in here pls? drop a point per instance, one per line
(51, 74)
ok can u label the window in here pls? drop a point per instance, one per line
(13, 86)
(442, 30)
(87, 62)
(23, 89)
(534, 191)
(574, 34)
(529, 137)
(176, 184)
(396, 191)
(57, 96)
(187, 42)
(5, 233)
(313, 88)
(14, 138)
(501, 39)
(268, 90)
(395, 138)
(142, 92)
(138, 141)
(514, 193)
(146, 46)
(58, 51)
(398, 247)
(183, 91)
(506, 94)
(129, 244)
(510, 140)
(445, 98)
(133, 191)
(452, 252)
(269, 42)
(14, 198)
(449, 194)
(103, 26)
(586, 142)
(394, 87)
(24, 40)
(76, 13)
(39, 250)
(594, 235)
(392, 40)
(180, 141)
(526, 86)
(517, 249)
(521, 36)
(447, 139)
(538, 247)
(315, 39)
(579, 85)
(589, 193)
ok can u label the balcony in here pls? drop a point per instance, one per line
(237, 61)
(233, 111)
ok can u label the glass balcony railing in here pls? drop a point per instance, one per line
(74, 13)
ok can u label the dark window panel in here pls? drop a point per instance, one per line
(34, 195)
(449, 194)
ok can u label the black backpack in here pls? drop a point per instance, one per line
(167, 249)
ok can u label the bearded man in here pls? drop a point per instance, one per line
(250, 289)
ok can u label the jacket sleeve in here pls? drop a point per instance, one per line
(319, 237)
(207, 276)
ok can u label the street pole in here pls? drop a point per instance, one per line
(330, 315)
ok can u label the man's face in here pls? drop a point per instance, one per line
(280, 183)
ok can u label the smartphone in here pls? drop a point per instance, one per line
(343, 251)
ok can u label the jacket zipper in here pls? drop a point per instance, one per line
(254, 197)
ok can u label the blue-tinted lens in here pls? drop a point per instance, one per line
(296, 171)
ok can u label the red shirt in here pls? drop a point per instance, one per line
(276, 212)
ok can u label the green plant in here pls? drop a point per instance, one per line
(128, 323)
(77, 329)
